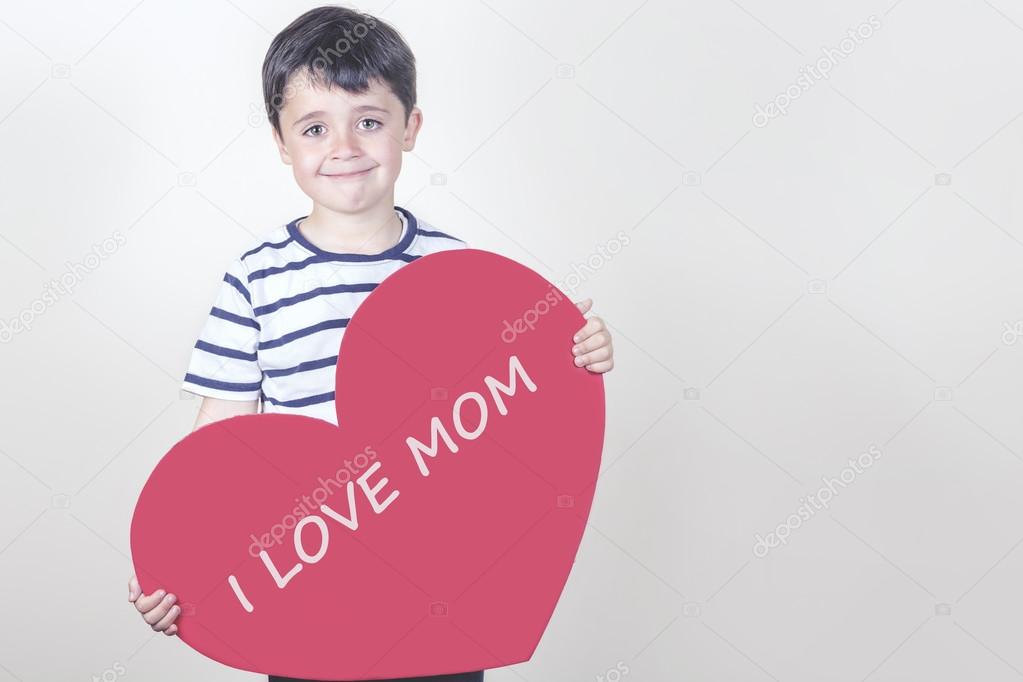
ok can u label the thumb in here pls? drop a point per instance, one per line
(133, 589)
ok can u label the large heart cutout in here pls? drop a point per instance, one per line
(436, 527)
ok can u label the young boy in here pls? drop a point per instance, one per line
(340, 92)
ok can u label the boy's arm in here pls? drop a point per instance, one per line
(215, 409)
(158, 608)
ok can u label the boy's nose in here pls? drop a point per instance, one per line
(346, 145)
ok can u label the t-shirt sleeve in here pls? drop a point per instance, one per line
(224, 363)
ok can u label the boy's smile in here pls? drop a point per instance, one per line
(351, 175)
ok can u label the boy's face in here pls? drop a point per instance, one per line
(345, 149)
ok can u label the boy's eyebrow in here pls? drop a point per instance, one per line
(360, 108)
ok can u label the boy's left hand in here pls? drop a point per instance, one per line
(592, 347)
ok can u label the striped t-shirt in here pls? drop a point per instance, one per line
(274, 332)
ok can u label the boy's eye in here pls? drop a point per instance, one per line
(373, 125)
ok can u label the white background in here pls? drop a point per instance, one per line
(848, 275)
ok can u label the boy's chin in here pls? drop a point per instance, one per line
(350, 205)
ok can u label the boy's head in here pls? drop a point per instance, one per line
(340, 94)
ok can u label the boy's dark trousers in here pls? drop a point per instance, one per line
(456, 677)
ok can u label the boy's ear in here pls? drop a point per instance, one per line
(415, 122)
(285, 156)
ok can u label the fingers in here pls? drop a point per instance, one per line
(593, 349)
(158, 609)
(168, 620)
(145, 602)
(593, 325)
(591, 343)
(157, 613)
(601, 354)
(584, 305)
(155, 606)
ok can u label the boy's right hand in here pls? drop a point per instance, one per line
(158, 609)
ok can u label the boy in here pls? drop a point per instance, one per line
(340, 92)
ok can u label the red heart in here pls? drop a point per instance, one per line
(462, 569)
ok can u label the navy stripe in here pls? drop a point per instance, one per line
(226, 352)
(407, 258)
(321, 291)
(231, 317)
(303, 367)
(306, 331)
(264, 245)
(408, 236)
(222, 385)
(435, 233)
(294, 265)
(302, 402)
(233, 281)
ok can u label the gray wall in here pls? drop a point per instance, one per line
(840, 281)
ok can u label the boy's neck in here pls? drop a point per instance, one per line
(371, 231)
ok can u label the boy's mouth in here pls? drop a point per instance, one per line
(347, 176)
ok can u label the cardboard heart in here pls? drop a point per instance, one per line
(433, 531)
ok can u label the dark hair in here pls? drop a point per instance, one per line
(340, 47)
